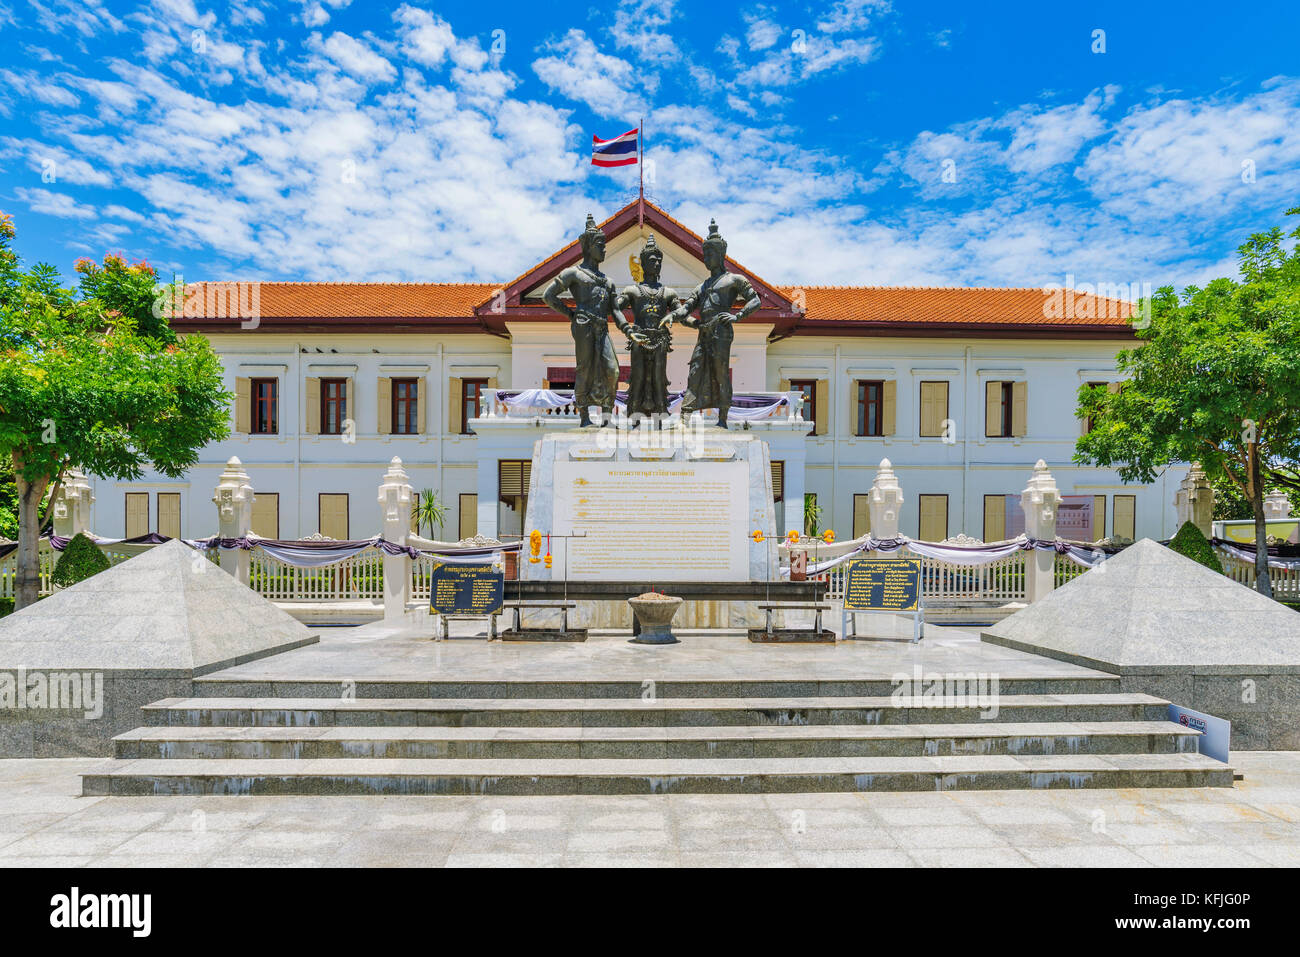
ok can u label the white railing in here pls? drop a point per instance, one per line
(359, 577)
(9, 571)
(1286, 581)
(1065, 570)
(1001, 581)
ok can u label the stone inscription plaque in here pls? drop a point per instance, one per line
(678, 521)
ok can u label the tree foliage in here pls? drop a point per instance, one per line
(91, 378)
(1216, 379)
(1191, 542)
(80, 559)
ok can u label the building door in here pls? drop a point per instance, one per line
(169, 514)
(333, 508)
(137, 514)
(934, 517)
(1126, 516)
(468, 526)
(266, 514)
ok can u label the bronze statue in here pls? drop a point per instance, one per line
(649, 334)
(596, 367)
(708, 384)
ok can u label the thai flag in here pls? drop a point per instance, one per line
(620, 151)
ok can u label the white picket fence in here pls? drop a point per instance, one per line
(1286, 581)
(359, 577)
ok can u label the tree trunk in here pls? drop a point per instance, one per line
(27, 580)
(1263, 582)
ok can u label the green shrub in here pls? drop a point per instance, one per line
(81, 559)
(6, 607)
(1191, 542)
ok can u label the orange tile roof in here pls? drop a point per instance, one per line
(918, 305)
(362, 300)
(953, 304)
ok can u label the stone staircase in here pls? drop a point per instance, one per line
(616, 737)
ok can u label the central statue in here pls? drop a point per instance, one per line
(708, 384)
(596, 366)
(649, 334)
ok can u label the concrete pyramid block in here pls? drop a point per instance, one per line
(167, 613)
(1150, 610)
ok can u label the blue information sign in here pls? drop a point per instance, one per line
(457, 589)
(882, 584)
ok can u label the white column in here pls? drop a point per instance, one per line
(1276, 505)
(395, 516)
(886, 502)
(72, 505)
(1040, 500)
(1194, 500)
(234, 501)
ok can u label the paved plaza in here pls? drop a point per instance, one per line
(44, 823)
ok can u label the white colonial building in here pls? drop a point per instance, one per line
(962, 389)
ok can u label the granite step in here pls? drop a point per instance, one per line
(753, 741)
(866, 685)
(658, 712)
(653, 776)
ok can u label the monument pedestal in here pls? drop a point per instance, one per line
(659, 506)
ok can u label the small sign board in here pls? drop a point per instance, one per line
(460, 589)
(1215, 732)
(882, 584)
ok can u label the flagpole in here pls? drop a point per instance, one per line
(640, 172)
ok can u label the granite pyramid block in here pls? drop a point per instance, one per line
(1150, 610)
(167, 613)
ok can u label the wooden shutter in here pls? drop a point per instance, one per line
(822, 391)
(333, 515)
(1019, 408)
(861, 514)
(311, 391)
(934, 518)
(995, 518)
(421, 399)
(137, 514)
(169, 514)
(349, 406)
(784, 386)
(468, 515)
(992, 409)
(385, 393)
(513, 476)
(243, 405)
(888, 407)
(934, 407)
(454, 407)
(266, 514)
(1125, 516)
(778, 480)
(1098, 517)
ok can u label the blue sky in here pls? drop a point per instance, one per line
(856, 142)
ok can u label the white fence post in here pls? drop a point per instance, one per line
(1194, 500)
(1040, 500)
(72, 506)
(234, 501)
(395, 512)
(886, 502)
(1276, 505)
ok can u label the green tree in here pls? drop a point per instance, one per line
(1191, 541)
(427, 510)
(80, 559)
(1216, 379)
(82, 385)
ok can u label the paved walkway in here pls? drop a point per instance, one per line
(44, 823)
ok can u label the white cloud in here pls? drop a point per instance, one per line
(54, 204)
(763, 33)
(608, 85)
(357, 59)
(638, 26)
